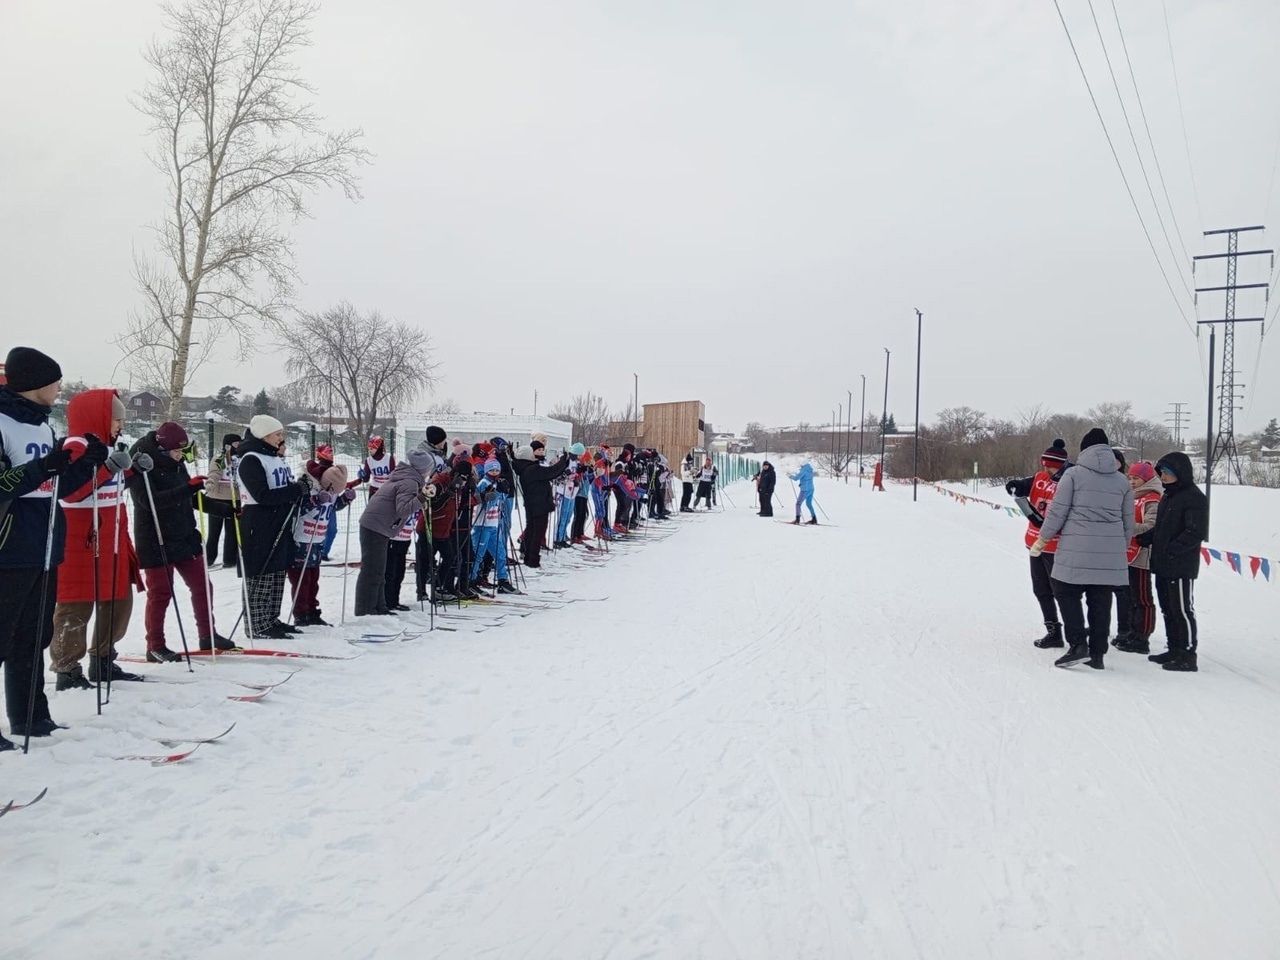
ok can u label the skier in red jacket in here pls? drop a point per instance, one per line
(1038, 491)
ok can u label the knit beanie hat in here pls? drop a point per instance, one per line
(459, 447)
(171, 436)
(334, 479)
(537, 445)
(421, 461)
(264, 425)
(324, 452)
(492, 465)
(577, 449)
(229, 438)
(26, 368)
(1093, 438)
(1057, 452)
(1143, 470)
(436, 435)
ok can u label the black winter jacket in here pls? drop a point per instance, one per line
(24, 524)
(535, 481)
(266, 532)
(1181, 524)
(175, 508)
(768, 480)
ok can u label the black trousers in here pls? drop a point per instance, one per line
(535, 532)
(465, 555)
(1122, 609)
(397, 562)
(686, 495)
(1072, 598)
(579, 528)
(371, 584)
(230, 552)
(1142, 605)
(1042, 587)
(22, 619)
(1178, 608)
(704, 493)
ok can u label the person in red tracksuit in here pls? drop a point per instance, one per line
(1147, 493)
(1039, 491)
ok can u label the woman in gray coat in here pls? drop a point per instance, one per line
(382, 519)
(1092, 515)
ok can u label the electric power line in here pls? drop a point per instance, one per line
(1124, 111)
(1186, 142)
(1128, 189)
(1150, 139)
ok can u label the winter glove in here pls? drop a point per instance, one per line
(96, 452)
(362, 475)
(197, 482)
(56, 460)
(142, 462)
(1011, 488)
(324, 498)
(1037, 548)
(311, 482)
(118, 461)
(348, 495)
(430, 490)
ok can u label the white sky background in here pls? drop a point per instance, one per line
(739, 201)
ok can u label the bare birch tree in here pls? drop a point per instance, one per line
(589, 415)
(371, 366)
(241, 148)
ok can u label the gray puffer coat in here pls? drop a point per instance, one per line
(1092, 513)
(394, 502)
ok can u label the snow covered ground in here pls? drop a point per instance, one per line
(767, 742)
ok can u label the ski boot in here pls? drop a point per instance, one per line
(72, 679)
(504, 586)
(219, 642)
(1184, 662)
(109, 671)
(1163, 658)
(40, 727)
(1077, 653)
(1052, 638)
(163, 655)
(812, 522)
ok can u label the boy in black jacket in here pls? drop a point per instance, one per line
(1175, 541)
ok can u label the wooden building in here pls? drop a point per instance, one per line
(673, 429)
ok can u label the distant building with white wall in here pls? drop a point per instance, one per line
(411, 429)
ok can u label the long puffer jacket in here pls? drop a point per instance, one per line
(266, 524)
(175, 508)
(1092, 514)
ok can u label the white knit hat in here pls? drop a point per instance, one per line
(263, 425)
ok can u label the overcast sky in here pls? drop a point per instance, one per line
(740, 202)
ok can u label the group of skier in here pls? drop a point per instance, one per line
(1099, 529)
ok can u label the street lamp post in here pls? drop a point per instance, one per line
(884, 417)
(862, 425)
(915, 470)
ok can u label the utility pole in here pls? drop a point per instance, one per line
(884, 417)
(848, 438)
(1178, 419)
(1223, 446)
(915, 470)
(833, 439)
(862, 426)
(635, 409)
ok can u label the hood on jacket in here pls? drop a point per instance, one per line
(1150, 486)
(1180, 464)
(1098, 458)
(90, 412)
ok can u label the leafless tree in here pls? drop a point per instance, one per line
(444, 407)
(370, 366)
(242, 149)
(589, 415)
(962, 425)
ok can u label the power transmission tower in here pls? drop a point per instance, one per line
(1223, 445)
(1178, 418)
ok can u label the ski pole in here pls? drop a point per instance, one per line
(819, 506)
(115, 572)
(346, 566)
(306, 559)
(208, 584)
(44, 600)
(164, 558)
(244, 573)
(97, 588)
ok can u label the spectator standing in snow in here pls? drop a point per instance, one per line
(1122, 593)
(1175, 540)
(1147, 491)
(219, 499)
(804, 496)
(1092, 513)
(1038, 490)
(706, 481)
(766, 481)
(398, 498)
(686, 481)
(536, 477)
(173, 495)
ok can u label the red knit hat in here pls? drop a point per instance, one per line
(170, 436)
(1055, 454)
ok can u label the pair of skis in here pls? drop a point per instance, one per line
(11, 806)
(260, 690)
(160, 760)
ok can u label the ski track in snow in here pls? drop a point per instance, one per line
(768, 742)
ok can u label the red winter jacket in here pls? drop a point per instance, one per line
(90, 412)
(1043, 487)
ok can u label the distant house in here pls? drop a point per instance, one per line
(145, 406)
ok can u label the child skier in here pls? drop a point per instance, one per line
(493, 492)
(1038, 491)
(1147, 491)
(316, 518)
(377, 465)
(804, 476)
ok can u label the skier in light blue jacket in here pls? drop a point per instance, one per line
(804, 476)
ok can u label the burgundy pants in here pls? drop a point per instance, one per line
(306, 589)
(158, 596)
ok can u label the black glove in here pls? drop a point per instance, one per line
(1011, 488)
(95, 451)
(57, 459)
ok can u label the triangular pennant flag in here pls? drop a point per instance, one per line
(1204, 552)
(1266, 569)
(1254, 564)
(1216, 554)
(1234, 560)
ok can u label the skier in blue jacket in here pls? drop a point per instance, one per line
(804, 476)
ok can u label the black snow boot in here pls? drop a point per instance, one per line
(6, 744)
(163, 655)
(109, 670)
(813, 522)
(504, 586)
(1095, 662)
(795, 522)
(219, 642)
(1052, 638)
(73, 679)
(1078, 653)
(40, 727)
(1163, 657)
(1184, 662)
(1133, 643)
